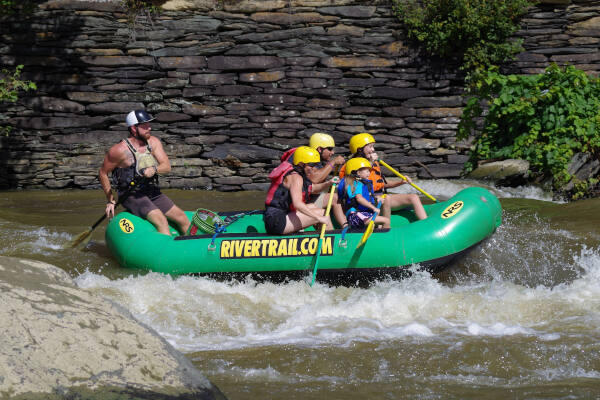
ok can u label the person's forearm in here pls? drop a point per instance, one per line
(320, 187)
(163, 168)
(105, 183)
(321, 174)
(364, 202)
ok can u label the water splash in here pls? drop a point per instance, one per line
(196, 313)
(446, 188)
(25, 240)
(526, 250)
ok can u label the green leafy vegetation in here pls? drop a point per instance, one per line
(474, 33)
(135, 8)
(11, 84)
(12, 7)
(544, 118)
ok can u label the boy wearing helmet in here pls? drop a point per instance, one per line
(286, 208)
(137, 161)
(362, 145)
(358, 199)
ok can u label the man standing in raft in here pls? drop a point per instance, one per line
(140, 158)
(286, 208)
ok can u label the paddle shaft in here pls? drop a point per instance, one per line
(403, 177)
(322, 235)
(119, 201)
(369, 229)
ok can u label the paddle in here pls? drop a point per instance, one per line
(318, 253)
(84, 237)
(403, 177)
(370, 226)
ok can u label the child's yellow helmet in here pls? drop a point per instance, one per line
(360, 140)
(354, 164)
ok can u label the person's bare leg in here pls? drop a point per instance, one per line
(384, 222)
(178, 216)
(400, 200)
(386, 209)
(158, 219)
(417, 206)
(338, 211)
(321, 211)
(297, 220)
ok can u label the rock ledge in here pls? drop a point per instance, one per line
(58, 339)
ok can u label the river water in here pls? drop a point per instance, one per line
(519, 317)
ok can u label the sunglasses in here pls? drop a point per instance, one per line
(328, 148)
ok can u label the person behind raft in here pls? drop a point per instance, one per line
(286, 208)
(139, 159)
(324, 144)
(362, 145)
(357, 197)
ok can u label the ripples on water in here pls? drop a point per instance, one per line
(519, 316)
(395, 339)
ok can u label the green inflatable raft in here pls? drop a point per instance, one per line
(453, 227)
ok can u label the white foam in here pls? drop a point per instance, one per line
(195, 313)
(446, 188)
(28, 239)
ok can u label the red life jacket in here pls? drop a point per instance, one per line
(288, 154)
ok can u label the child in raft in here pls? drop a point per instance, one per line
(357, 197)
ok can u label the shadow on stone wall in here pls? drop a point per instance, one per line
(47, 47)
(234, 84)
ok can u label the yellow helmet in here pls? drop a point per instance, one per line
(306, 155)
(360, 140)
(321, 140)
(354, 164)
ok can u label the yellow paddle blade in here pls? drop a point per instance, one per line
(367, 233)
(83, 237)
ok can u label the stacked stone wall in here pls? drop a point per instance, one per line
(233, 84)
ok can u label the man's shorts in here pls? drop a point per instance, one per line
(275, 220)
(141, 204)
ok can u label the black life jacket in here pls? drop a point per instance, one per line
(278, 195)
(123, 177)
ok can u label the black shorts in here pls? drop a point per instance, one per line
(141, 204)
(275, 220)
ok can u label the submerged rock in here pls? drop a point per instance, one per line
(59, 340)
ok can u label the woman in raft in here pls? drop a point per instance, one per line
(286, 210)
(362, 145)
